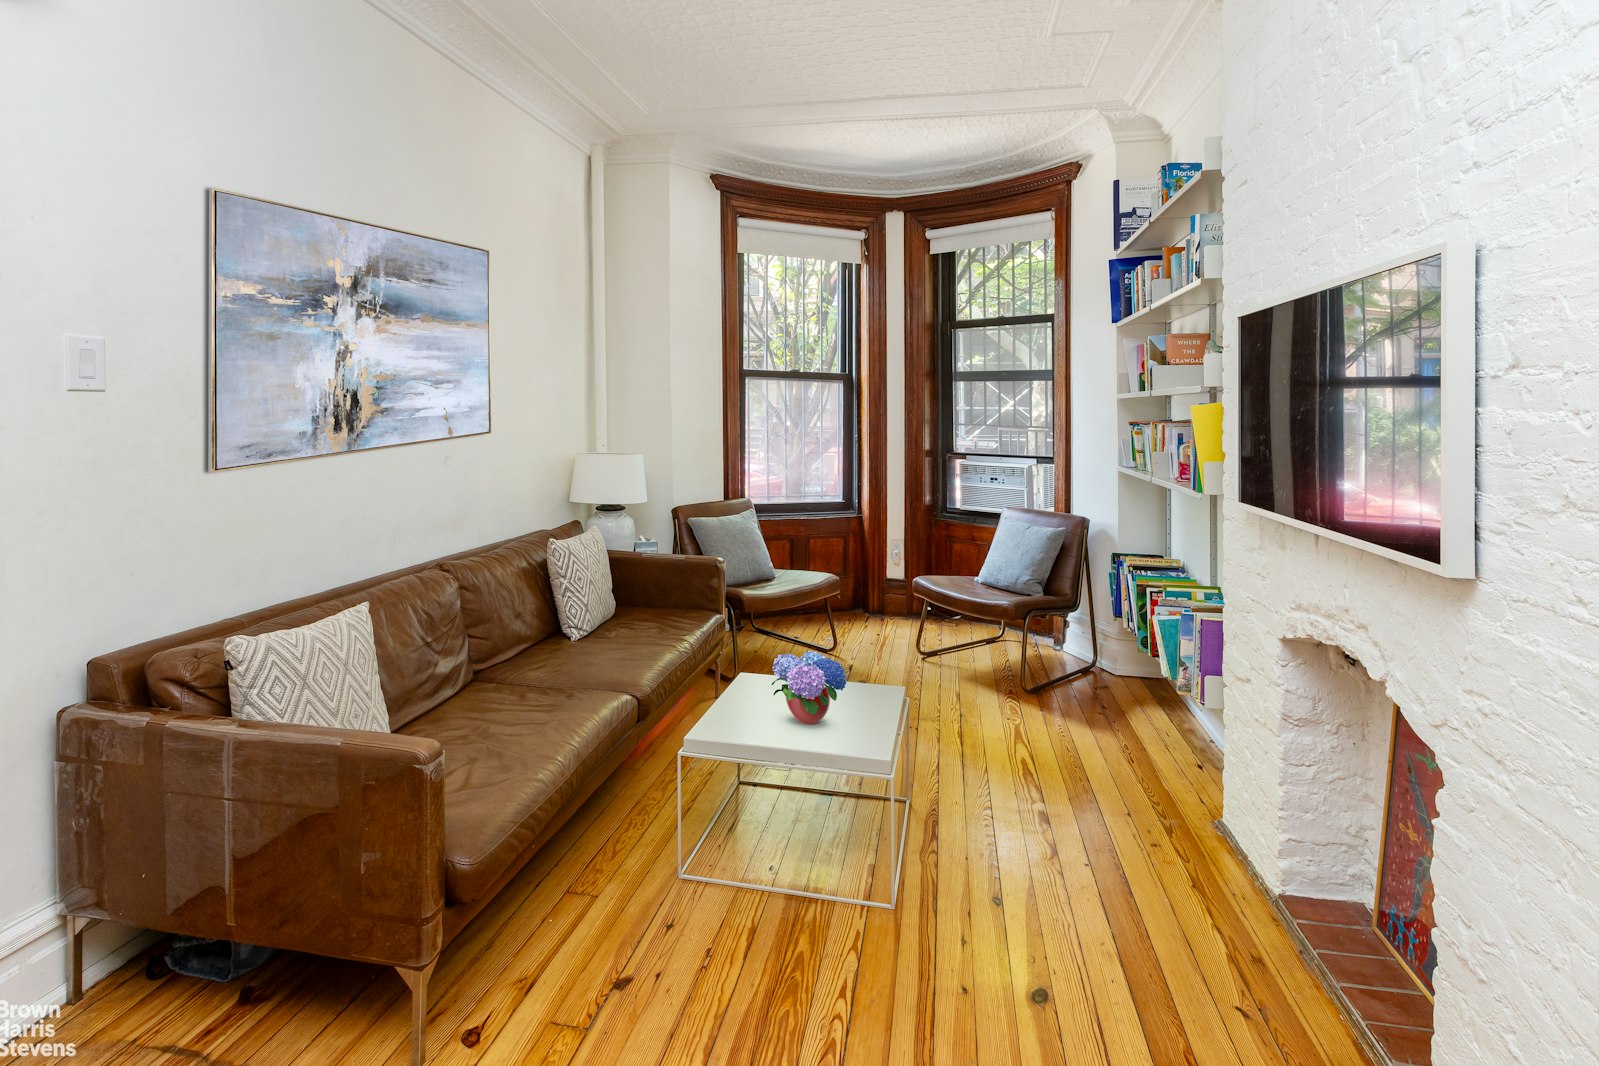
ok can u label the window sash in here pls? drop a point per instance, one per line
(847, 322)
(949, 328)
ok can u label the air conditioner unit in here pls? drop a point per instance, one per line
(995, 484)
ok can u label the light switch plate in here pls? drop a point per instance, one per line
(85, 363)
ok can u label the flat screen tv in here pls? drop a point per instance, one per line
(1357, 410)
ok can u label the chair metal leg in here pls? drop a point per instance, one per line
(1029, 640)
(1093, 638)
(76, 927)
(831, 628)
(732, 632)
(929, 653)
(417, 981)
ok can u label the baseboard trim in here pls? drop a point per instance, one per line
(1118, 651)
(33, 954)
(896, 597)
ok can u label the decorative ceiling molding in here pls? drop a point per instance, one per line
(892, 145)
(460, 33)
(1183, 46)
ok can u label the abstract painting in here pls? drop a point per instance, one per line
(333, 336)
(1403, 914)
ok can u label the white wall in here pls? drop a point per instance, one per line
(664, 332)
(695, 293)
(1200, 120)
(1360, 130)
(118, 118)
(1094, 361)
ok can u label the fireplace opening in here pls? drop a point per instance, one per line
(1360, 804)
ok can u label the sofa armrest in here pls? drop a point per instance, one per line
(692, 582)
(328, 841)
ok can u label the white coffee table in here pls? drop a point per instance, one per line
(863, 735)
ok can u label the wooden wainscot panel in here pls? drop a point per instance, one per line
(959, 548)
(833, 545)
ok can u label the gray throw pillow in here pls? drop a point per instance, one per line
(736, 539)
(580, 577)
(325, 673)
(1021, 556)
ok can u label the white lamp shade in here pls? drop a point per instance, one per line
(608, 477)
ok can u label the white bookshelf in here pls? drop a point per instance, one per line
(1156, 514)
(1168, 225)
(1160, 394)
(1195, 296)
(1169, 486)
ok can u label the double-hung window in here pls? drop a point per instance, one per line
(996, 338)
(799, 329)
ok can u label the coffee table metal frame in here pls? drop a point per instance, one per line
(898, 825)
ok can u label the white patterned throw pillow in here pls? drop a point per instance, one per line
(323, 674)
(580, 577)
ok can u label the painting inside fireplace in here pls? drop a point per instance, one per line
(1403, 913)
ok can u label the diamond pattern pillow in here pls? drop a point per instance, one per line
(580, 577)
(325, 673)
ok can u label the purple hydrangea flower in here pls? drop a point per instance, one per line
(806, 681)
(783, 664)
(832, 670)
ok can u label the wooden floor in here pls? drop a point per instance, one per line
(1066, 899)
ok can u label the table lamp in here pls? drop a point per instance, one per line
(609, 480)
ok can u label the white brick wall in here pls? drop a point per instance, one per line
(1357, 130)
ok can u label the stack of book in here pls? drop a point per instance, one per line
(1199, 254)
(1139, 280)
(1176, 620)
(1162, 449)
(1165, 361)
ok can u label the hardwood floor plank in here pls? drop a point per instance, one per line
(1302, 1019)
(954, 1009)
(1021, 884)
(995, 1001)
(1200, 1014)
(1065, 899)
(1098, 1018)
(1066, 787)
(1144, 822)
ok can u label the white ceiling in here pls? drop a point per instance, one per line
(884, 95)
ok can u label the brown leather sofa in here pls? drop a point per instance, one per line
(376, 847)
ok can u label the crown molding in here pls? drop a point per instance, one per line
(471, 36)
(476, 44)
(1173, 40)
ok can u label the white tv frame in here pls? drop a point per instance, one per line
(1457, 416)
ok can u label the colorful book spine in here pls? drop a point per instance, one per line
(1122, 272)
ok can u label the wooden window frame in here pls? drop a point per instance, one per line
(947, 325)
(848, 376)
(743, 198)
(1047, 190)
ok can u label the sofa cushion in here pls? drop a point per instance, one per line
(325, 674)
(513, 756)
(580, 578)
(505, 596)
(416, 626)
(646, 652)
